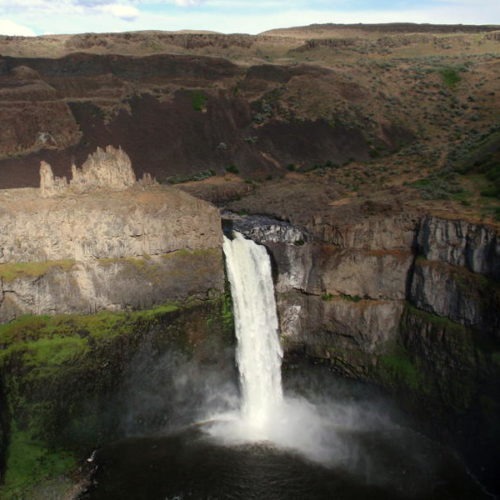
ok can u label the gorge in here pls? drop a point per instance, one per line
(368, 179)
(307, 448)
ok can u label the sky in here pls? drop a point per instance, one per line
(43, 17)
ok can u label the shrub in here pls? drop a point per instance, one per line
(198, 176)
(198, 100)
(450, 77)
(232, 169)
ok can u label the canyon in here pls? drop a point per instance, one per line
(385, 249)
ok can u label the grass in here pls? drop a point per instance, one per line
(197, 176)
(55, 351)
(351, 298)
(198, 100)
(450, 77)
(51, 341)
(30, 463)
(12, 271)
(53, 366)
(399, 367)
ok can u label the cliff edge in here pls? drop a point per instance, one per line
(104, 241)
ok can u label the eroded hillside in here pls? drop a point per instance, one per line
(354, 110)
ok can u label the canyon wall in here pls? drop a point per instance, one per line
(347, 290)
(410, 302)
(101, 276)
(104, 241)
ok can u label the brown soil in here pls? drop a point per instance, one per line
(363, 109)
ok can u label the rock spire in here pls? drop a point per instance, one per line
(107, 169)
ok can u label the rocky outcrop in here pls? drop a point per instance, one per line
(50, 185)
(361, 230)
(342, 290)
(453, 292)
(326, 326)
(108, 169)
(111, 284)
(133, 223)
(339, 299)
(365, 274)
(264, 230)
(104, 241)
(460, 243)
(410, 303)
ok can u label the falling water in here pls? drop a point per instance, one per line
(361, 452)
(259, 351)
(265, 414)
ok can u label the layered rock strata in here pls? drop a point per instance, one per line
(347, 292)
(103, 241)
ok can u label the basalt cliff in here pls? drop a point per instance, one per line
(104, 241)
(368, 170)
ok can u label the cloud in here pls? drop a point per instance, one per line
(12, 28)
(126, 12)
(230, 16)
(188, 3)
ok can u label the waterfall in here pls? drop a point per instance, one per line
(264, 414)
(259, 351)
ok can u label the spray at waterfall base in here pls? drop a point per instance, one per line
(265, 413)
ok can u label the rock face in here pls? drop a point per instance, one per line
(347, 291)
(67, 287)
(109, 169)
(460, 243)
(411, 303)
(49, 184)
(451, 292)
(132, 223)
(82, 247)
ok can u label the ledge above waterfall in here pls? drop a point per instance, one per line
(263, 229)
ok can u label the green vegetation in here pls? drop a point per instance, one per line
(351, 298)
(60, 373)
(440, 322)
(198, 176)
(441, 185)
(10, 272)
(198, 100)
(322, 167)
(450, 77)
(399, 368)
(232, 169)
(30, 463)
(476, 160)
(227, 310)
(48, 342)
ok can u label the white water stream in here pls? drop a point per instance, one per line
(264, 413)
(259, 351)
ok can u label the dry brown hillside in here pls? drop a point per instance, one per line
(401, 112)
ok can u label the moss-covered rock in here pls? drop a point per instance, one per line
(70, 287)
(61, 379)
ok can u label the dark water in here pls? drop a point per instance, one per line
(375, 455)
(188, 465)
